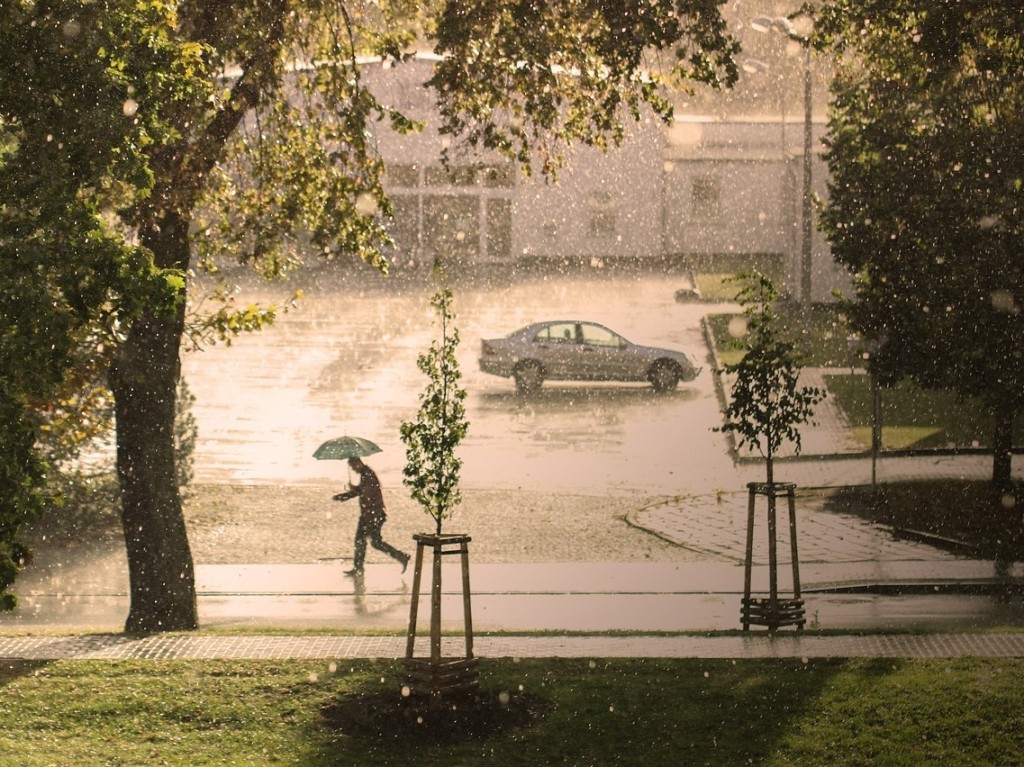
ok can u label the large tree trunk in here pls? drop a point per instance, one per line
(144, 380)
(1002, 448)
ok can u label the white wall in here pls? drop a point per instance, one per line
(698, 187)
(604, 205)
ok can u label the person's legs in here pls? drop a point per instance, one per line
(378, 542)
(359, 548)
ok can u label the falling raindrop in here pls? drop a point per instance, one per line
(366, 205)
(738, 327)
(1002, 301)
(130, 107)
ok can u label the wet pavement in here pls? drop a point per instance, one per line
(855, 576)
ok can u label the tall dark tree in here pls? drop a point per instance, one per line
(67, 153)
(249, 133)
(925, 202)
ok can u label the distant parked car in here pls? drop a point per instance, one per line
(686, 295)
(573, 350)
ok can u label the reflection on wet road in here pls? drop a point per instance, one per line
(344, 362)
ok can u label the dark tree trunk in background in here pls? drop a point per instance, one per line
(144, 380)
(1002, 449)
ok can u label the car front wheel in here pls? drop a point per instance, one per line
(528, 376)
(664, 375)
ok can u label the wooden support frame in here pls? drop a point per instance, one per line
(772, 611)
(436, 675)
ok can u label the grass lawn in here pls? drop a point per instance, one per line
(580, 712)
(822, 336)
(913, 418)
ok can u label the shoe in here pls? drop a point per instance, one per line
(355, 572)
(405, 562)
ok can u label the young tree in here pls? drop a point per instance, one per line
(925, 195)
(245, 129)
(432, 470)
(766, 406)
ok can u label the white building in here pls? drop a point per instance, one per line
(695, 192)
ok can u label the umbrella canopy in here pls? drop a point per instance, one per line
(341, 448)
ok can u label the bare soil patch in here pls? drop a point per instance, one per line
(388, 717)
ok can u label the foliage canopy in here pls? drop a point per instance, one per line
(432, 470)
(925, 195)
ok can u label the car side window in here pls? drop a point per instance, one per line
(596, 335)
(559, 332)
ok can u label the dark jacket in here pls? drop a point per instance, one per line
(371, 499)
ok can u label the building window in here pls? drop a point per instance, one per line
(499, 176)
(404, 226)
(403, 175)
(493, 176)
(603, 214)
(499, 228)
(451, 227)
(706, 196)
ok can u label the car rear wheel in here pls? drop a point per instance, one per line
(528, 376)
(664, 375)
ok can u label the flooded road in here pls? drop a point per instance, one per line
(344, 362)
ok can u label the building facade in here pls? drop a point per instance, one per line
(695, 191)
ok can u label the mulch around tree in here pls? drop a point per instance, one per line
(388, 715)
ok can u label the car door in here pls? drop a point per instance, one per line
(557, 348)
(604, 356)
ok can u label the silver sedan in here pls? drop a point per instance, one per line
(574, 350)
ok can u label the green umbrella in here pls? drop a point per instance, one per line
(341, 448)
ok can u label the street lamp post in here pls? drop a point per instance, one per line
(785, 26)
(758, 67)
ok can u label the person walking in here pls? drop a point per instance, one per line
(371, 517)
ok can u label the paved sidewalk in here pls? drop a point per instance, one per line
(753, 645)
(854, 577)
